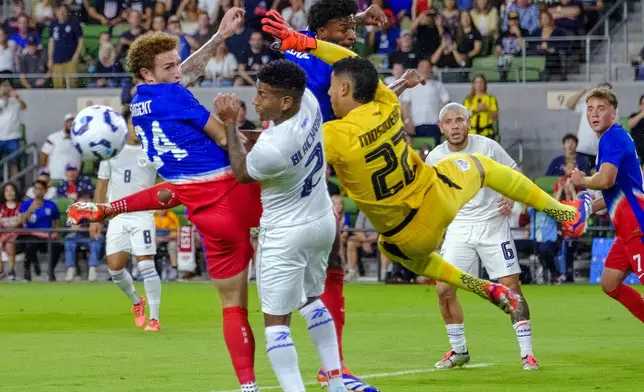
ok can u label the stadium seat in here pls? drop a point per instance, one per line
(623, 121)
(63, 204)
(418, 142)
(534, 67)
(55, 183)
(88, 167)
(486, 66)
(547, 183)
(378, 60)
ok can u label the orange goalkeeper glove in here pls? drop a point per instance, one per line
(276, 26)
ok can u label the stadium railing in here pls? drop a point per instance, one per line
(29, 156)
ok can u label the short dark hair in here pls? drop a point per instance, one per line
(324, 11)
(41, 182)
(284, 75)
(569, 136)
(363, 74)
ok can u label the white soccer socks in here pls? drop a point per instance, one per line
(152, 284)
(283, 357)
(524, 336)
(123, 279)
(456, 335)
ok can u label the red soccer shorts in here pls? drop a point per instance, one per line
(627, 255)
(223, 212)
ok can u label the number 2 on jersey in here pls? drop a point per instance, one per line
(378, 178)
(316, 154)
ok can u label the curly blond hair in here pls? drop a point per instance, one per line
(145, 48)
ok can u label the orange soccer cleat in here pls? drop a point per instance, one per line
(351, 381)
(139, 313)
(501, 296)
(578, 226)
(153, 326)
(83, 212)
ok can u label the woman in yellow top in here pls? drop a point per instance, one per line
(483, 109)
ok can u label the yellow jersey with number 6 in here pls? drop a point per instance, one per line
(376, 167)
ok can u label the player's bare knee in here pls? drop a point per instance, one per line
(117, 261)
(609, 284)
(446, 293)
(271, 320)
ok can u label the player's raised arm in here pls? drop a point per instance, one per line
(410, 79)
(193, 67)
(227, 109)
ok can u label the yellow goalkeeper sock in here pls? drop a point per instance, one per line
(518, 187)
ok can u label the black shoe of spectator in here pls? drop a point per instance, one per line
(28, 275)
(12, 275)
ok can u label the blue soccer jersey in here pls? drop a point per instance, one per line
(170, 121)
(318, 78)
(625, 199)
(43, 217)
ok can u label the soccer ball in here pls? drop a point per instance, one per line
(99, 132)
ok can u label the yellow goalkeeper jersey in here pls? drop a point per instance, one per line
(374, 164)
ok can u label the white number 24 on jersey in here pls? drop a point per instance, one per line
(161, 145)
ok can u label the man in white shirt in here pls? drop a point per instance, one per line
(10, 107)
(480, 230)
(58, 151)
(297, 227)
(420, 105)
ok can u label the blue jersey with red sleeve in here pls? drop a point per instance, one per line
(170, 121)
(318, 78)
(625, 199)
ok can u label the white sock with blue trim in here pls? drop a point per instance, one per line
(322, 331)
(152, 284)
(283, 357)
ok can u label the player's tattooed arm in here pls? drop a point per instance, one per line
(193, 67)
(227, 109)
(410, 79)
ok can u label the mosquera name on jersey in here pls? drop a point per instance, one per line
(289, 162)
(128, 172)
(484, 206)
(170, 121)
(376, 167)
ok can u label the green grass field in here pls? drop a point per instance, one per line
(81, 337)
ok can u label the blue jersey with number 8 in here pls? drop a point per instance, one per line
(170, 121)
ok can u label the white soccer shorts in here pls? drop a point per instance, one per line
(291, 264)
(490, 241)
(135, 234)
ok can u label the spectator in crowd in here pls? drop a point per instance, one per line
(420, 105)
(9, 219)
(11, 105)
(563, 164)
(33, 61)
(188, 14)
(81, 237)
(7, 53)
(11, 23)
(485, 18)
(344, 221)
(106, 64)
(447, 57)
(77, 10)
(254, 59)
(205, 30)
(510, 44)
(255, 11)
(185, 43)
(405, 53)
(592, 10)
(106, 12)
(211, 8)
(37, 214)
(58, 151)
(519, 224)
(141, 7)
(636, 126)
(553, 50)
(384, 41)
(527, 14)
(167, 224)
(126, 39)
(238, 43)
(50, 193)
(65, 44)
(588, 142)
(295, 15)
(483, 107)
(159, 23)
(362, 242)
(544, 234)
(74, 184)
(567, 15)
(23, 33)
(220, 69)
(332, 187)
(242, 122)
(420, 6)
(165, 7)
(397, 71)
(449, 18)
(428, 29)
(468, 41)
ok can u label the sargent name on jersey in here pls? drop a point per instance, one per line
(141, 108)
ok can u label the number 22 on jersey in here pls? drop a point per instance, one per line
(160, 144)
(387, 151)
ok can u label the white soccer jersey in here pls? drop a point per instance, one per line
(484, 205)
(128, 172)
(288, 160)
